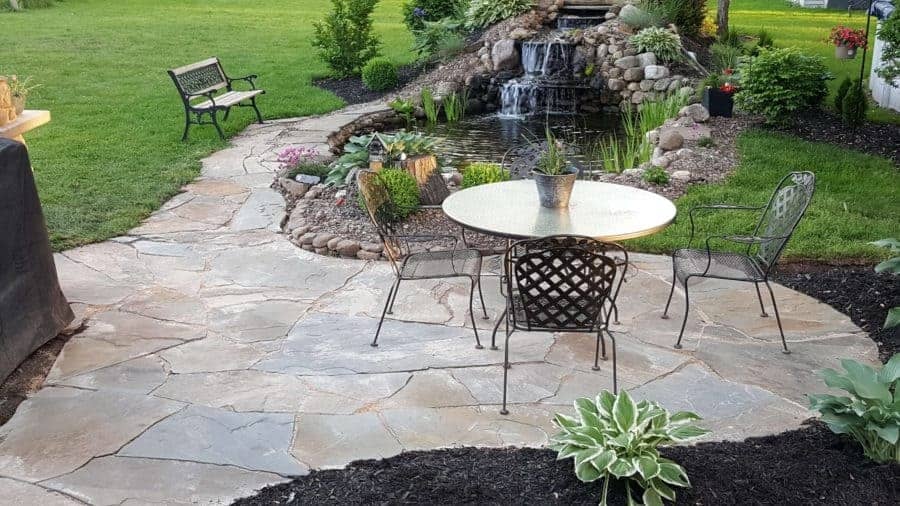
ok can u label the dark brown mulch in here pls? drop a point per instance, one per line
(880, 139)
(28, 377)
(857, 291)
(353, 91)
(806, 466)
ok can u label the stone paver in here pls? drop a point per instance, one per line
(218, 358)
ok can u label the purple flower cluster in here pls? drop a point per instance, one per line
(292, 157)
(419, 12)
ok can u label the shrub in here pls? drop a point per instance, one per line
(665, 44)
(404, 108)
(481, 173)
(889, 32)
(404, 192)
(779, 82)
(380, 75)
(841, 94)
(612, 437)
(687, 15)
(725, 56)
(764, 39)
(891, 265)
(732, 38)
(657, 176)
(345, 39)
(436, 37)
(484, 13)
(643, 17)
(869, 414)
(416, 13)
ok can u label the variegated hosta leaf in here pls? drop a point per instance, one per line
(673, 474)
(624, 412)
(587, 473)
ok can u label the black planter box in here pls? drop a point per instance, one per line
(718, 103)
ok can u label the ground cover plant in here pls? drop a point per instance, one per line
(855, 201)
(112, 153)
(480, 173)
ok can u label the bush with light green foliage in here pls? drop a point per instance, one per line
(380, 74)
(416, 13)
(657, 176)
(484, 13)
(855, 105)
(780, 82)
(612, 437)
(643, 17)
(891, 265)
(481, 173)
(870, 412)
(841, 94)
(344, 38)
(403, 190)
(660, 41)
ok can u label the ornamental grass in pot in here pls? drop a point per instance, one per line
(553, 175)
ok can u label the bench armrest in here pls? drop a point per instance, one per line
(209, 95)
(248, 79)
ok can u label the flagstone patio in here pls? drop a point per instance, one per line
(219, 358)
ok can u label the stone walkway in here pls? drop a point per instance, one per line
(218, 358)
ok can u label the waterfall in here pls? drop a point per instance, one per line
(544, 88)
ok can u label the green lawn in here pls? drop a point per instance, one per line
(112, 153)
(806, 29)
(856, 199)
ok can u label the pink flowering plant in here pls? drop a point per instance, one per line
(301, 160)
(844, 36)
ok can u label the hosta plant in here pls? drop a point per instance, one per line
(870, 414)
(612, 437)
(891, 265)
(484, 13)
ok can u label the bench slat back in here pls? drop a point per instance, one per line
(200, 77)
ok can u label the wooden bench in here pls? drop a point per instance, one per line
(201, 88)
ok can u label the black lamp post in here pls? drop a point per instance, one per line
(862, 66)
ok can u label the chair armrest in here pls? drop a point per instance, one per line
(417, 238)
(716, 207)
(737, 239)
(248, 79)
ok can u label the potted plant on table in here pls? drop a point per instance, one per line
(846, 41)
(718, 93)
(553, 175)
(20, 88)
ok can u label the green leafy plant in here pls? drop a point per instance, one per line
(484, 13)
(20, 87)
(725, 56)
(657, 176)
(732, 38)
(612, 437)
(841, 94)
(406, 109)
(380, 74)
(706, 142)
(855, 105)
(891, 265)
(417, 13)
(438, 38)
(687, 15)
(889, 32)
(871, 412)
(616, 154)
(764, 40)
(356, 153)
(660, 41)
(454, 106)
(646, 16)
(480, 173)
(653, 114)
(403, 190)
(552, 161)
(431, 107)
(345, 39)
(780, 82)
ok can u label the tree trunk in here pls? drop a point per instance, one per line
(722, 17)
(431, 183)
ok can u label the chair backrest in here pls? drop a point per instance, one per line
(786, 208)
(201, 77)
(561, 282)
(382, 211)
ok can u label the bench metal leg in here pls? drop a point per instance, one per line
(227, 112)
(187, 126)
(258, 114)
(215, 122)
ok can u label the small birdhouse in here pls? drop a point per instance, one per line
(377, 149)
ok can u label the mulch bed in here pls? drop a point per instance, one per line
(28, 377)
(806, 466)
(880, 139)
(353, 91)
(855, 290)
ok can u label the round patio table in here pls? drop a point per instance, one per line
(603, 211)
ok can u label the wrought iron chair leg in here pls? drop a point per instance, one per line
(506, 368)
(391, 293)
(481, 296)
(665, 315)
(615, 307)
(215, 122)
(478, 345)
(615, 354)
(762, 307)
(258, 114)
(496, 328)
(600, 342)
(786, 351)
(687, 308)
(390, 308)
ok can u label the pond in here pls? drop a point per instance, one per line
(488, 138)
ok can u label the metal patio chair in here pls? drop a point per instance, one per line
(560, 283)
(764, 246)
(409, 265)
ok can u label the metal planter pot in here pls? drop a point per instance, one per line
(844, 52)
(554, 192)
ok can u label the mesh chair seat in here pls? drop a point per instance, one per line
(441, 264)
(734, 266)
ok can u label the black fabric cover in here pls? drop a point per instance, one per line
(33, 309)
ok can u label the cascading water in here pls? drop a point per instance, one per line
(546, 86)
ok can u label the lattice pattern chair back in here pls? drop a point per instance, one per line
(381, 210)
(562, 283)
(202, 79)
(782, 215)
